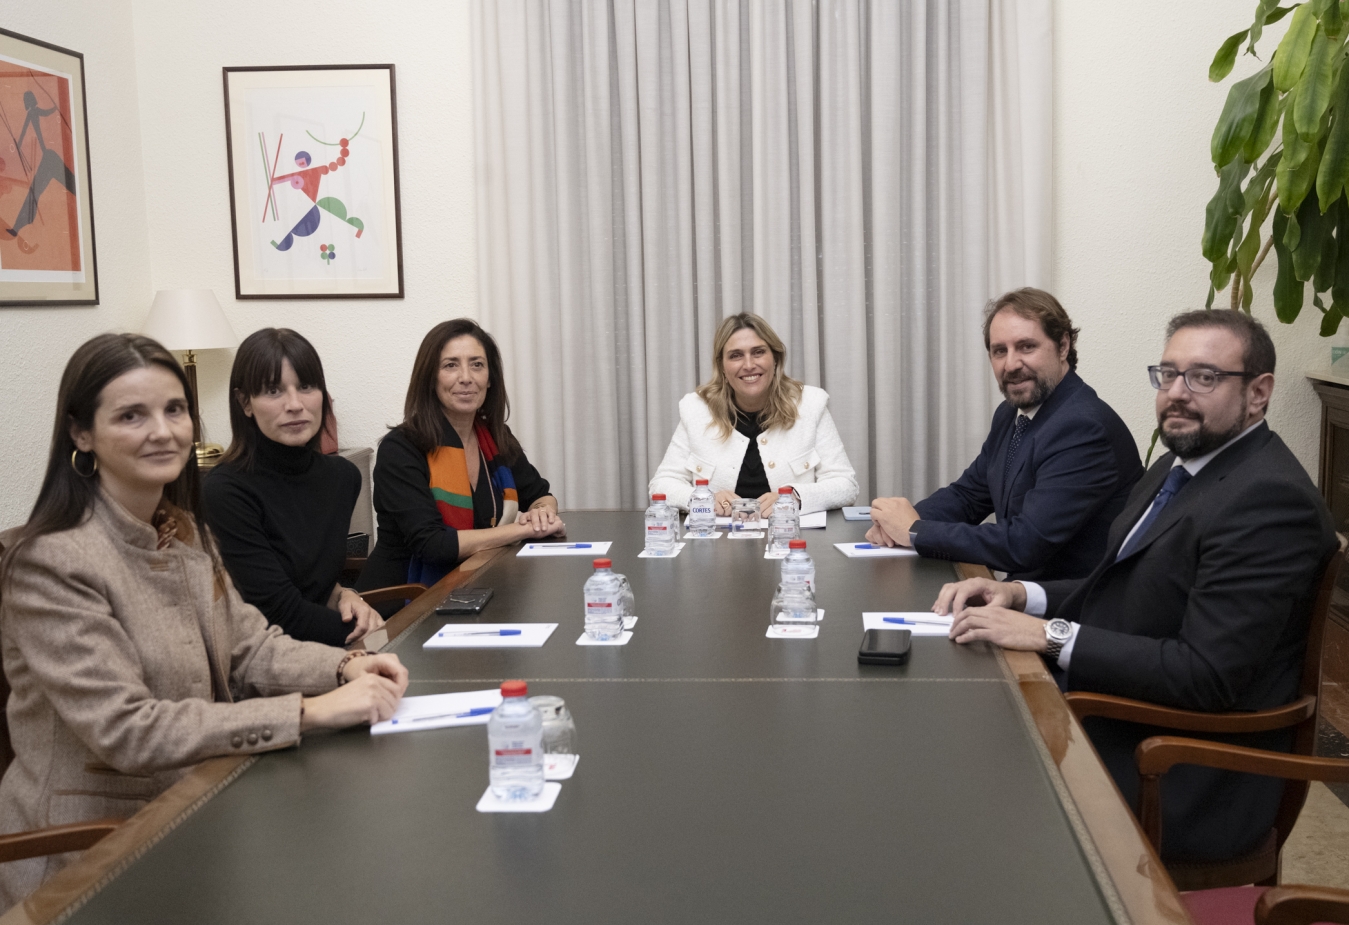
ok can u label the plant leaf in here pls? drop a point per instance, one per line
(1226, 56)
(1295, 150)
(1332, 20)
(1339, 291)
(1266, 124)
(1330, 321)
(1288, 289)
(1324, 277)
(1238, 118)
(1209, 304)
(1313, 94)
(1266, 14)
(1334, 170)
(1293, 184)
(1224, 211)
(1290, 58)
(1307, 253)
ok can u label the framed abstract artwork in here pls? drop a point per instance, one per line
(46, 205)
(313, 173)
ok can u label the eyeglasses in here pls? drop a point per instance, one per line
(1197, 378)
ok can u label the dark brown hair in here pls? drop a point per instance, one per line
(424, 417)
(257, 368)
(1036, 305)
(66, 498)
(1257, 355)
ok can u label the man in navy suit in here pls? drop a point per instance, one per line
(1056, 468)
(1202, 598)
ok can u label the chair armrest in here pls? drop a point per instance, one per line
(1302, 905)
(1157, 755)
(1085, 704)
(56, 839)
(392, 593)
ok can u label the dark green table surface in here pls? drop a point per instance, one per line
(725, 777)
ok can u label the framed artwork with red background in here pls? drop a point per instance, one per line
(46, 205)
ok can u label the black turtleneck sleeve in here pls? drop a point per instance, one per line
(282, 533)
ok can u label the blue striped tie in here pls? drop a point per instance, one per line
(1175, 481)
(1022, 422)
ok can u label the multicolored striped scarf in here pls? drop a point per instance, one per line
(454, 495)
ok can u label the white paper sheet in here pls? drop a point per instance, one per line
(857, 513)
(805, 631)
(436, 711)
(678, 547)
(540, 804)
(814, 521)
(860, 551)
(565, 549)
(876, 621)
(454, 636)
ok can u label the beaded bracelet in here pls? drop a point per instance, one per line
(342, 665)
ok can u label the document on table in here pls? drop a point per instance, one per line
(857, 513)
(565, 549)
(868, 551)
(490, 636)
(435, 711)
(814, 521)
(921, 623)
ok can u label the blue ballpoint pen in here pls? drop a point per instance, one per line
(476, 711)
(916, 622)
(864, 546)
(563, 545)
(482, 633)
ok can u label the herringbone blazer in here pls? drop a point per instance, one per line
(127, 664)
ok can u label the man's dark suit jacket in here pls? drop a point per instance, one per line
(1069, 480)
(1209, 613)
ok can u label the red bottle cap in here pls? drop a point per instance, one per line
(785, 490)
(657, 497)
(514, 689)
(797, 544)
(700, 481)
(603, 563)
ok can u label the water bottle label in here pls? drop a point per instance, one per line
(656, 528)
(513, 757)
(599, 608)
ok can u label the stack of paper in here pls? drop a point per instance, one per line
(565, 549)
(435, 711)
(490, 636)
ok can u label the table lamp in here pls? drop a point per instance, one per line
(191, 320)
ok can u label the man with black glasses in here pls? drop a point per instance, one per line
(1202, 599)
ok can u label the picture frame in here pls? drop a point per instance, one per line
(47, 252)
(312, 154)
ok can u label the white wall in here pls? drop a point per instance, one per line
(36, 342)
(1133, 114)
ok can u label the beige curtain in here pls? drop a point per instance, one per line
(865, 175)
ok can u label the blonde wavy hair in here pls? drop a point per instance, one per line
(784, 392)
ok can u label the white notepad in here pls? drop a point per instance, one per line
(565, 549)
(487, 636)
(925, 623)
(814, 521)
(860, 551)
(436, 711)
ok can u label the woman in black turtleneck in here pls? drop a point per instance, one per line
(279, 509)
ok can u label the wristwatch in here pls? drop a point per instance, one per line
(1057, 634)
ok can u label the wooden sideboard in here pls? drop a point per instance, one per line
(1333, 479)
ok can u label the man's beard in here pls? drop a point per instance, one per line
(1037, 396)
(1193, 444)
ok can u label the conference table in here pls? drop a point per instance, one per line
(724, 776)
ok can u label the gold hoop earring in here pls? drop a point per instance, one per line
(84, 475)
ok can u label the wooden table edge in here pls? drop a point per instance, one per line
(1140, 880)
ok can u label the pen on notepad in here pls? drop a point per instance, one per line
(483, 633)
(916, 622)
(560, 545)
(476, 711)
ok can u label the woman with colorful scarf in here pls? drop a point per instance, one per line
(451, 479)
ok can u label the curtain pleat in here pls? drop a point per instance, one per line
(865, 175)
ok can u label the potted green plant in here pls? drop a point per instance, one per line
(1281, 151)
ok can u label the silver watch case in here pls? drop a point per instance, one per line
(1057, 634)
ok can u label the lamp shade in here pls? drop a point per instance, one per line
(189, 319)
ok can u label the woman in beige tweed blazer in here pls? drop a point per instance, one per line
(129, 654)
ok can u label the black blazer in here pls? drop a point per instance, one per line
(1069, 480)
(1208, 613)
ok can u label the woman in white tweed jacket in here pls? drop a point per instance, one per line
(752, 429)
(128, 652)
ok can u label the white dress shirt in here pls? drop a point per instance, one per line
(1036, 601)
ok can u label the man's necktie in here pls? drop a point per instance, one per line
(1022, 422)
(1175, 481)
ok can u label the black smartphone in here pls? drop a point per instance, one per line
(465, 600)
(884, 647)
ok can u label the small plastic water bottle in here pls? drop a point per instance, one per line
(702, 515)
(798, 567)
(607, 598)
(662, 527)
(784, 523)
(515, 745)
(793, 605)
